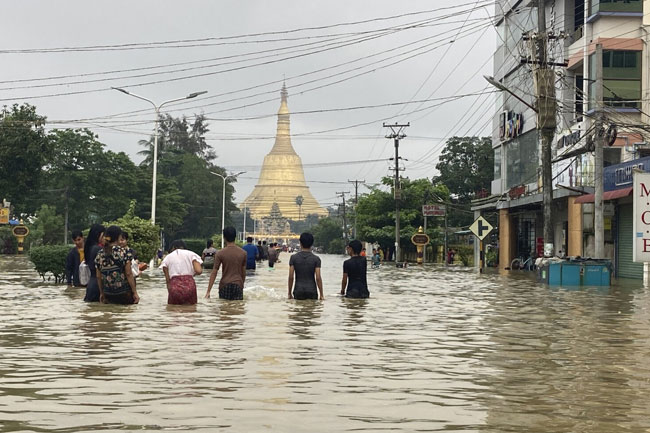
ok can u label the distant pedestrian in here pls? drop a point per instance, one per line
(74, 259)
(114, 273)
(273, 254)
(180, 266)
(208, 254)
(305, 266)
(252, 253)
(376, 261)
(260, 251)
(363, 252)
(265, 251)
(92, 246)
(232, 260)
(354, 283)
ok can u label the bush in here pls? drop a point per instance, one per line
(197, 245)
(50, 258)
(8, 242)
(465, 253)
(143, 236)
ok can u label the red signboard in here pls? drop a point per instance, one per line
(433, 210)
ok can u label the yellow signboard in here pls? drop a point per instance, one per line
(4, 215)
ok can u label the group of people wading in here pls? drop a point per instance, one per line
(113, 268)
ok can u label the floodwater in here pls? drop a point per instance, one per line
(432, 350)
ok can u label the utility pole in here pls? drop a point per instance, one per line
(345, 222)
(396, 134)
(65, 229)
(356, 183)
(544, 80)
(599, 224)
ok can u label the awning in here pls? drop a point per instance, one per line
(607, 195)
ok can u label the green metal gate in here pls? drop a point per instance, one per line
(625, 267)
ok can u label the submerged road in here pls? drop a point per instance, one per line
(432, 350)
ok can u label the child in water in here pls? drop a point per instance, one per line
(354, 284)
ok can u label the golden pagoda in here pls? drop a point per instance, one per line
(282, 179)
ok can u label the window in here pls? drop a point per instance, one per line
(621, 79)
(615, 6)
(497, 163)
(522, 159)
(579, 96)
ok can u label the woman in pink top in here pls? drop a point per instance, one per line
(180, 266)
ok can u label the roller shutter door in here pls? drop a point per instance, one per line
(626, 268)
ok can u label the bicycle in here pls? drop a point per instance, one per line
(521, 264)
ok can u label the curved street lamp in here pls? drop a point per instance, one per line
(155, 139)
(223, 205)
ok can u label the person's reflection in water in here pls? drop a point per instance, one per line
(303, 318)
(231, 319)
(101, 329)
(356, 316)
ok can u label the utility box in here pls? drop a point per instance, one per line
(576, 272)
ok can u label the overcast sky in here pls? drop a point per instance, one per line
(450, 50)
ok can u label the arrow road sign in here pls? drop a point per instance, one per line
(481, 228)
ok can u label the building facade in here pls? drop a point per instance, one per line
(575, 28)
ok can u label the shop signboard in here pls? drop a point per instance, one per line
(4, 215)
(641, 221)
(433, 210)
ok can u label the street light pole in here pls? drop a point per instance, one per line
(223, 203)
(155, 139)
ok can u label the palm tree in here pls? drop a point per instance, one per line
(299, 201)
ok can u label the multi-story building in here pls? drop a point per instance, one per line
(575, 28)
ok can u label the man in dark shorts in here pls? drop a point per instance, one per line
(306, 267)
(233, 261)
(354, 273)
(273, 254)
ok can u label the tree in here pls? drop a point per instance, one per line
(177, 135)
(376, 212)
(325, 232)
(86, 183)
(48, 227)
(466, 166)
(24, 150)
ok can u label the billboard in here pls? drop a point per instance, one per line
(641, 222)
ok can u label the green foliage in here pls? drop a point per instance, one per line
(47, 227)
(336, 246)
(376, 213)
(143, 236)
(196, 245)
(464, 253)
(8, 243)
(327, 230)
(466, 166)
(50, 258)
(24, 151)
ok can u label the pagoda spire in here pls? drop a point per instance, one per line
(282, 178)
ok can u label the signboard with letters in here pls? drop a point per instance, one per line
(4, 215)
(433, 210)
(641, 223)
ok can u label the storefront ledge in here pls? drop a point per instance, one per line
(607, 195)
(598, 15)
(535, 199)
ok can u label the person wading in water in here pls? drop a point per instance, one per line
(233, 261)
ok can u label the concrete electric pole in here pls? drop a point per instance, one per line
(396, 134)
(356, 183)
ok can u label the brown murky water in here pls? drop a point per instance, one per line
(432, 350)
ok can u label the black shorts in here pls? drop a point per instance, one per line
(357, 293)
(125, 298)
(232, 292)
(301, 294)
